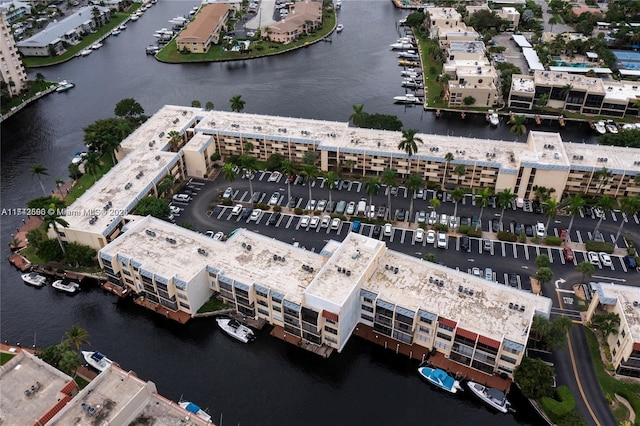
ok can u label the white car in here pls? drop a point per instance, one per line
(433, 217)
(314, 222)
(593, 258)
(605, 259)
(326, 220)
(311, 205)
(476, 272)
(444, 219)
(322, 204)
(227, 193)
(418, 236)
(274, 199)
(219, 236)
(442, 240)
(351, 208)
(335, 223)
(431, 236)
(174, 209)
(255, 215)
(540, 230)
(453, 222)
(181, 198)
(304, 221)
(275, 176)
(237, 210)
(422, 216)
(388, 230)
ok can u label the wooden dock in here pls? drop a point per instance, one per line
(282, 334)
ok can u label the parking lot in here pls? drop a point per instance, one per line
(504, 262)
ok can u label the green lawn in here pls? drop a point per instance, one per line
(82, 383)
(213, 305)
(610, 385)
(5, 357)
(431, 68)
(32, 87)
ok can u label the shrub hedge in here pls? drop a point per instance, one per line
(553, 241)
(507, 236)
(599, 246)
(561, 405)
(475, 233)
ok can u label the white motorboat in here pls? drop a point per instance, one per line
(409, 54)
(97, 360)
(34, 279)
(338, 4)
(86, 52)
(440, 379)
(600, 127)
(493, 397)
(401, 46)
(628, 126)
(339, 28)
(115, 32)
(611, 127)
(193, 408)
(411, 83)
(140, 12)
(409, 74)
(96, 45)
(494, 120)
(64, 85)
(66, 286)
(236, 330)
(133, 18)
(407, 98)
(122, 27)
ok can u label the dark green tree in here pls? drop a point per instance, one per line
(154, 207)
(129, 109)
(535, 378)
(39, 170)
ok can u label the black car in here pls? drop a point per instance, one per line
(256, 196)
(246, 213)
(495, 225)
(588, 211)
(377, 230)
(474, 221)
(345, 184)
(518, 228)
(382, 211)
(401, 214)
(273, 219)
(189, 191)
(513, 280)
(292, 202)
(528, 230)
(465, 221)
(464, 243)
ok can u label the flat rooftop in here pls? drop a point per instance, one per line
(545, 149)
(627, 296)
(486, 311)
(617, 159)
(466, 47)
(438, 13)
(523, 83)
(19, 376)
(621, 90)
(560, 79)
(167, 413)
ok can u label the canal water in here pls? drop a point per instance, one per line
(268, 382)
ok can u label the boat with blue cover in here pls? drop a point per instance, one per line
(193, 408)
(440, 379)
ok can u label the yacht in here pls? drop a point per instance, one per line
(115, 32)
(97, 360)
(122, 27)
(493, 397)
(97, 45)
(34, 279)
(193, 408)
(411, 83)
(409, 54)
(133, 18)
(236, 330)
(66, 286)
(600, 127)
(64, 85)
(339, 28)
(611, 127)
(407, 98)
(440, 379)
(401, 46)
(86, 52)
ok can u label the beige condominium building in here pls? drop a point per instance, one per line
(11, 68)
(205, 28)
(304, 17)
(320, 298)
(574, 92)
(144, 159)
(624, 343)
(470, 74)
(446, 25)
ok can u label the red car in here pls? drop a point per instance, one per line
(564, 234)
(568, 254)
(291, 178)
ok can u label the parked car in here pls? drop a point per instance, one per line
(237, 209)
(181, 198)
(564, 234)
(568, 254)
(341, 206)
(464, 243)
(442, 240)
(351, 208)
(227, 193)
(313, 223)
(597, 236)
(255, 215)
(273, 219)
(304, 221)
(275, 176)
(418, 236)
(246, 213)
(593, 257)
(474, 221)
(331, 206)
(465, 221)
(475, 271)
(433, 217)
(255, 198)
(377, 229)
(540, 230)
(513, 280)
(393, 190)
(345, 184)
(453, 222)
(335, 223)
(401, 214)
(382, 211)
(422, 216)
(431, 236)
(487, 245)
(291, 179)
(219, 236)
(356, 226)
(488, 274)
(630, 261)
(293, 202)
(518, 228)
(419, 193)
(371, 212)
(444, 219)
(311, 205)
(326, 220)
(588, 211)
(495, 225)
(174, 209)
(388, 229)
(605, 259)
(321, 205)
(275, 198)
(528, 230)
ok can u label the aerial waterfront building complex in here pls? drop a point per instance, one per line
(319, 299)
(205, 28)
(144, 159)
(11, 68)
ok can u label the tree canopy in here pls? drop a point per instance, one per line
(99, 132)
(534, 377)
(630, 138)
(381, 122)
(130, 109)
(154, 207)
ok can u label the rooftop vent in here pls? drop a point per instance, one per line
(636, 304)
(128, 185)
(150, 233)
(170, 240)
(152, 143)
(176, 121)
(348, 273)
(248, 247)
(161, 134)
(184, 112)
(202, 252)
(157, 158)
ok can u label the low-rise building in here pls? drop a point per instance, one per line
(511, 15)
(11, 68)
(58, 35)
(624, 342)
(320, 298)
(475, 79)
(303, 18)
(14, 10)
(205, 28)
(442, 17)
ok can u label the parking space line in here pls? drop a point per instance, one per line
(579, 236)
(562, 257)
(537, 250)
(526, 252)
(550, 254)
(635, 217)
(504, 254)
(515, 251)
(288, 221)
(624, 267)
(403, 235)
(613, 216)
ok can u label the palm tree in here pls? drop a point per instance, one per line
(388, 178)
(564, 92)
(629, 206)
(165, 185)
(606, 204)
(358, 115)
(518, 125)
(289, 168)
(413, 184)
(409, 141)
(310, 172)
(228, 173)
(482, 197)
(38, 170)
(504, 199)
(111, 145)
(209, 106)
(249, 166)
(555, 19)
(59, 183)
(434, 203)
(607, 323)
(448, 157)
(575, 204)
(603, 175)
(457, 195)
(237, 104)
(52, 220)
(92, 164)
(175, 140)
(550, 210)
(76, 337)
(460, 170)
(372, 187)
(331, 182)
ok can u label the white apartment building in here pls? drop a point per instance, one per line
(321, 297)
(11, 68)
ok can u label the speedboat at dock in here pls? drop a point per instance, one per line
(339, 28)
(66, 286)
(440, 379)
(407, 98)
(600, 127)
(401, 46)
(34, 279)
(493, 397)
(64, 85)
(97, 360)
(236, 330)
(193, 408)
(611, 127)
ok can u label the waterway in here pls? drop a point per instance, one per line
(268, 382)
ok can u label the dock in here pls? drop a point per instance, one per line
(282, 334)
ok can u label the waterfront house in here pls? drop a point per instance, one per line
(205, 28)
(304, 17)
(14, 10)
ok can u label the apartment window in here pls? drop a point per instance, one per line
(366, 317)
(445, 327)
(623, 333)
(618, 343)
(614, 351)
(508, 359)
(444, 336)
(330, 330)
(367, 308)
